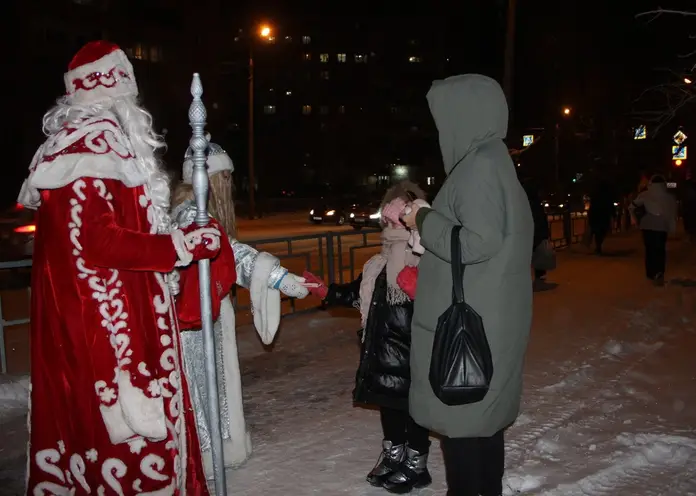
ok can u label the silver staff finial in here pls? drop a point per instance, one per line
(197, 116)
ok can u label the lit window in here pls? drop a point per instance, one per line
(288, 93)
(413, 59)
(360, 58)
(341, 57)
(269, 109)
(139, 52)
(155, 54)
(306, 109)
(307, 56)
(306, 40)
(324, 58)
(430, 181)
(288, 39)
(342, 109)
(324, 109)
(325, 74)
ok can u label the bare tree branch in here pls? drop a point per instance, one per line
(665, 100)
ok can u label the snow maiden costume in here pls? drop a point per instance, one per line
(109, 413)
(261, 273)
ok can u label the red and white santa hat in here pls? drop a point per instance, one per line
(99, 72)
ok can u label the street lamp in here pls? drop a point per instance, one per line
(557, 155)
(687, 80)
(265, 33)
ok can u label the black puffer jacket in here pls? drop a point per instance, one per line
(384, 376)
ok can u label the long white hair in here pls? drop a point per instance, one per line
(136, 122)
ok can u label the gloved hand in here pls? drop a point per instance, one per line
(392, 212)
(407, 279)
(291, 285)
(195, 243)
(321, 290)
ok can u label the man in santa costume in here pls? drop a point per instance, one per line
(110, 412)
(259, 272)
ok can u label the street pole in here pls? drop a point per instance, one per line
(557, 158)
(198, 143)
(508, 76)
(252, 175)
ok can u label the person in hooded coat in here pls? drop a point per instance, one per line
(483, 195)
(658, 220)
(384, 294)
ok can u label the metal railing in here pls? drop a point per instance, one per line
(334, 256)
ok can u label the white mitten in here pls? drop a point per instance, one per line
(414, 239)
(292, 286)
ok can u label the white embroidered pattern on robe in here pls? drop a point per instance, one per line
(169, 387)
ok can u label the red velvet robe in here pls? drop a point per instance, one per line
(110, 413)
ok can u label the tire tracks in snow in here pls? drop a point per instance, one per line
(524, 437)
(668, 457)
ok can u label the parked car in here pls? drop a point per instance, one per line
(367, 215)
(17, 230)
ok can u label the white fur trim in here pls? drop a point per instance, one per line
(111, 76)
(143, 414)
(179, 242)
(105, 152)
(119, 431)
(265, 301)
(215, 163)
(238, 447)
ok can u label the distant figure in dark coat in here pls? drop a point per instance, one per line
(601, 213)
(541, 228)
(688, 205)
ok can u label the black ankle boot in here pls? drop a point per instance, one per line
(389, 462)
(412, 474)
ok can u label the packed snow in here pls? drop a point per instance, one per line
(609, 405)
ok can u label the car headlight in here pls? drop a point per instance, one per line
(311, 212)
(352, 216)
(546, 205)
(330, 213)
(376, 216)
(561, 206)
(616, 204)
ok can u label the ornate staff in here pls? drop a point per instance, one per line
(198, 143)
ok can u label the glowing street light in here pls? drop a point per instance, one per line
(566, 111)
(265, 31)
(687, 80)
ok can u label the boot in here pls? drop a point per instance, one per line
(389, 462)
(413, 474)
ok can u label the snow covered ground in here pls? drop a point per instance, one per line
(609, 406)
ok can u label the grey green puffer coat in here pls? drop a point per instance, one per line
(483, 195)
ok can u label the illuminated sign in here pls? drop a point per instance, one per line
(678, 152)
(527, 140)
(671, 185)
(680, 137)
(640, 133)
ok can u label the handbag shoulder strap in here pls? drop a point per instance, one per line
(457, 266)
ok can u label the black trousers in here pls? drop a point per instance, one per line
(399, 428)
(474, 466)
(599, 234)
(655, 252)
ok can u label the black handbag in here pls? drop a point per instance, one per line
(639, 211)
(461, 366)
